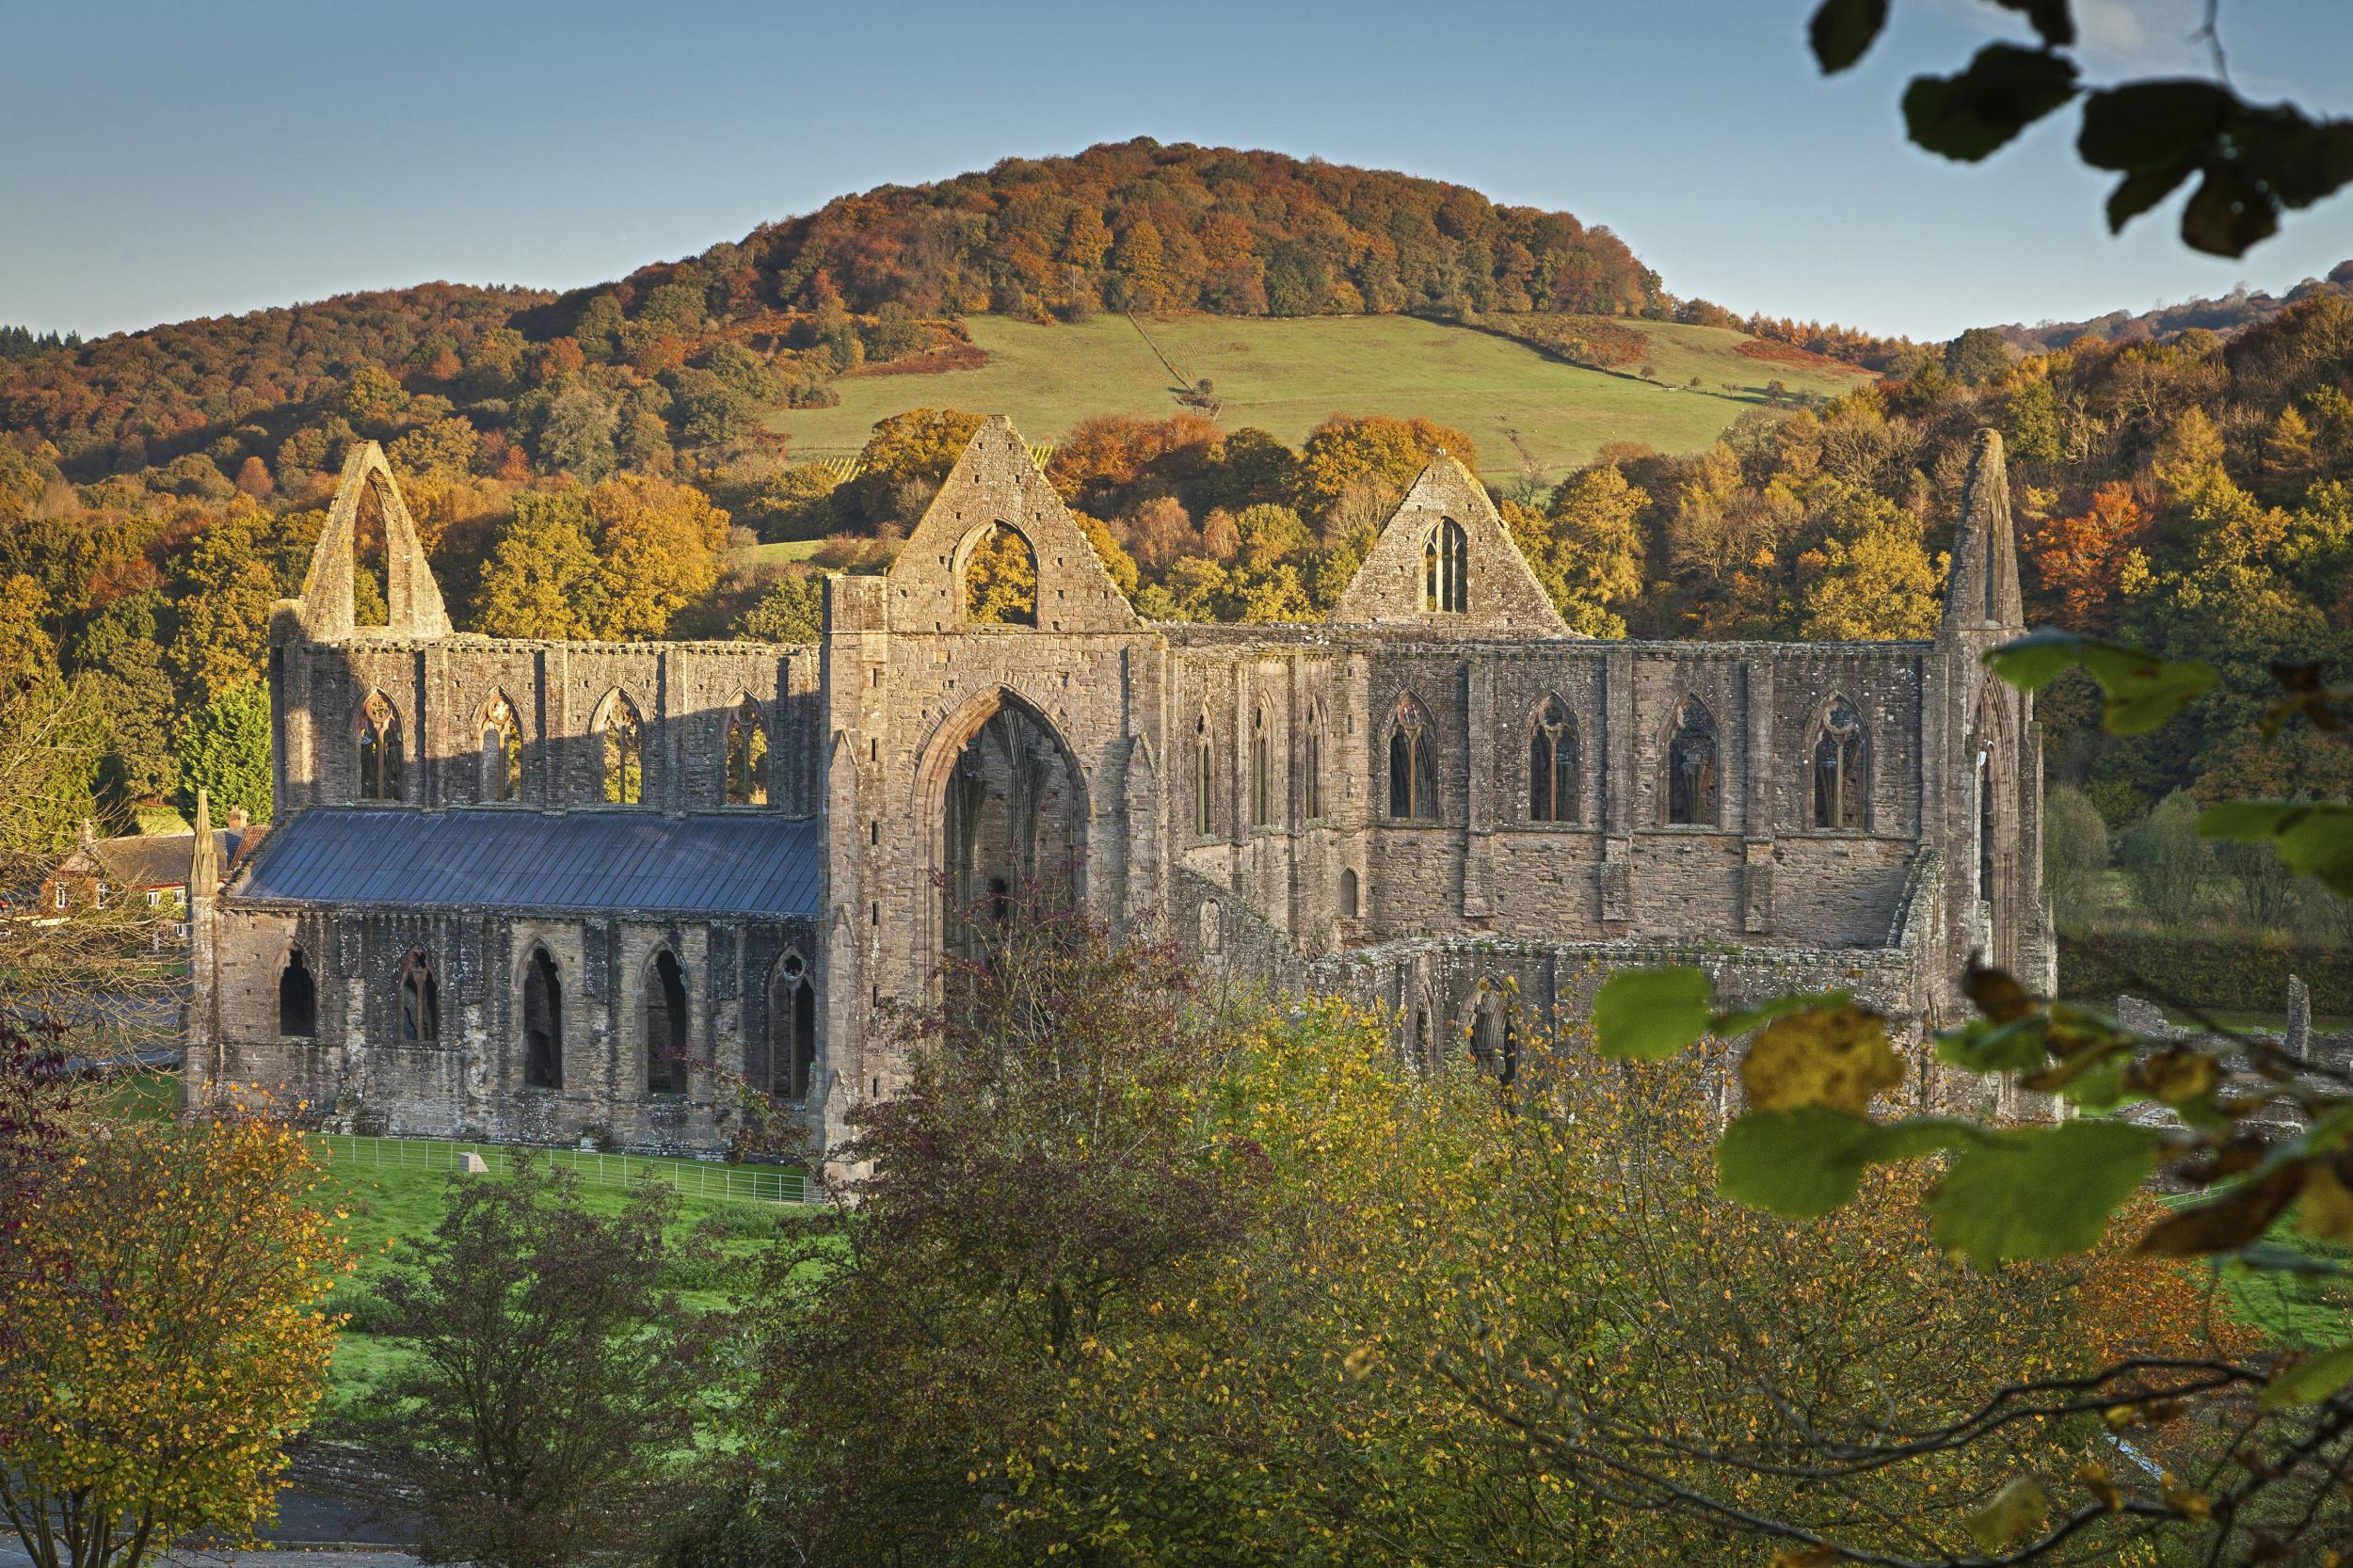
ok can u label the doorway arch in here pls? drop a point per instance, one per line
(1007, 803)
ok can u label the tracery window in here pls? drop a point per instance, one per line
(543, 1022)
(502, 751)
(380, 754)
(1202, 758)
(1842, 768)
(1312, 759)
(1445, 569)
(666, 1025)
(748, 756)
(1694, 785)
(1493, 1042)
(1261, 774)
(1552, 764)
(791, 1030)
(420, 1000)
(624, 752)
(1413, 777)
(298, 997)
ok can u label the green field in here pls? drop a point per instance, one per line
(1286, 376)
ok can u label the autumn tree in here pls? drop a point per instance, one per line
(659, 549)
(1390, 453)
(2081, 562)
(542, 579)
(1587, 548)
(168, 1342)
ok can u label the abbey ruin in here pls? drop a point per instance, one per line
(540, 891)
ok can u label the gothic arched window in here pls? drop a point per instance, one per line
(1413, 778)
(748, 756)
(1348, 893)
(1842, 768)
(298, 997)
(1311, 761)
(543, 1022)
(791, 1030)
(1261, 774)
(1445, 570)
(1001, 579)
(666, 1025)
(1201, 762)
(380, 754)
(502, 751)
(1693, 782)
(1494, 1043)
(624, 748)
(420, 1000)
(1552, 764)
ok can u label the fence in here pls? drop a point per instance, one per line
(691, 1178)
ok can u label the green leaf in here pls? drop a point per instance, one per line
(2003, 90)
(2136, 193)
(1842, 29)
(2143, 127)
(2041, 1192)
(2314, 839)
(2141, 690)
(1983, 1046)
(1809, 1160)
(2310, 1381)
(2049, 17)
(1647, 1013)
(2018, 1508)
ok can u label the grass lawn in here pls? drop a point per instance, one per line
(1288, 375)
(778, 554)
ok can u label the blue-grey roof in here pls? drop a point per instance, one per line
(736, 863)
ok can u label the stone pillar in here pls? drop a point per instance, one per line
(1756, 878)
(1618, 749)
(2299, 1017)
(1479, 790)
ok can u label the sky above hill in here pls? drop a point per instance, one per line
(163, 161)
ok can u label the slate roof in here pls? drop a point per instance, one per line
(157, 860)
(749, 863)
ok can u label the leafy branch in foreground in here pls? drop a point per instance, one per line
(2251, 160)
(2249, 1135)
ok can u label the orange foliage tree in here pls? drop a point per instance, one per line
(2080, 561)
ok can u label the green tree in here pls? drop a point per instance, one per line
(790, 610)
(1976, 356)
(542, 579)
(576, 435)
(2074, 857)
(224, 747)
(2169, 864)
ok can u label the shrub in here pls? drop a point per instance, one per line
(2170, 864)
(2074, 856)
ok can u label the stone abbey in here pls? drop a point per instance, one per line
(542, 890)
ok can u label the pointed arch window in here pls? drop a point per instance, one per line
(1552, 764)
(1202, 759)
(1445, 569)
(298, 997)
(380, 753)
(1261, 773)
(666, 1025)
(502, 751)
(1001, 579)
(791, 1030)
(624, 748)
(1493, 1042)
(748, 756)
(1413, 776)
(1694, 781)
(1349, 902)
(543, 1022)
(1311, 763)
(1842, 768)
(420, 1020)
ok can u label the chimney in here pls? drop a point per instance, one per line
(237, 819)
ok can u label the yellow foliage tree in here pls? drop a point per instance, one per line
(166, 1339)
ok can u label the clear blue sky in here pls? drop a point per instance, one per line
(162, 161)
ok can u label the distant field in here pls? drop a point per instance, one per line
(1287, 376)
(780, 554)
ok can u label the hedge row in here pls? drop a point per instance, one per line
(2210, 973)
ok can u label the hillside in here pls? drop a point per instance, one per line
(2242, 307)
(1529, 412)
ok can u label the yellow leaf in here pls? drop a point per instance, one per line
(1833, 1056)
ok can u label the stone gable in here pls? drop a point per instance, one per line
(1392, 588)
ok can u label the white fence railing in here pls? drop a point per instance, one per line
(692, 1177)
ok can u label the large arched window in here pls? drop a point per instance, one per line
(1413, 777)
(666, 1025)
(748, 756)
(1001, 579)
(420, 1022)
(791, 1030)
(298, 997)
(1693, 782)
(1203, 757)
(377, 728)
(543, 1022)
(1445, 569)
(1261, 774)
(1842, 768)
(502, 751)
(624, 748)
(1552, 764)
(1311, 763)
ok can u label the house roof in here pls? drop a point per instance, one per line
(736, 863)
(154, 859)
